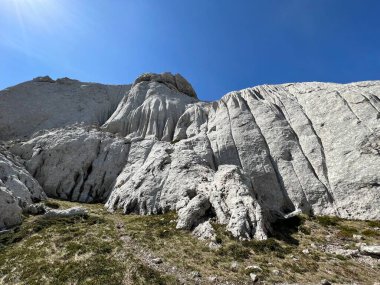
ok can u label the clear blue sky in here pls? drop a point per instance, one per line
(219, 46)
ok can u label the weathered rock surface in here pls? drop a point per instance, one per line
(44, 103)
(71, 212)
(254, 156)
(145, 111)
(372, 250)
(18, 189)
(75, 163)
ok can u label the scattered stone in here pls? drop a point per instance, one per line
(293, 214)
(204, 231)
(212, 279)
(253, 267)
(234, 265)
(305, 251)
(195, 274)
(371, 250)
(214, 246)
(36, 209)
(126, 238)
(325, 282)
(338, 250)
(71, 212)
(276, 272)
(357, 237)
(254, 277)
(157, 260)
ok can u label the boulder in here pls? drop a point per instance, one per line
(67, 213)
(372, 250)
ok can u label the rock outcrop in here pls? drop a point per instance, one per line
(18, 190)
(44, 103)
(75, 163)
(254, 156)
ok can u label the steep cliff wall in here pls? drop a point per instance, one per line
(252, 157)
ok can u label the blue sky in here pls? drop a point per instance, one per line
(219, 46)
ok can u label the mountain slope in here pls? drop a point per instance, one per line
(44, 103)
(255, 156)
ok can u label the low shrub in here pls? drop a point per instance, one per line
(327, 220)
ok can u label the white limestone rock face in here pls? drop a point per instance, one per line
(74, 163)
(267, 149)
(182, 177)
(254, 156)
(71, 212)
(151, 108)
(345, 119)
(44, 103)
(234, 202)
(18, 190)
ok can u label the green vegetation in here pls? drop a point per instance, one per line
(327, 221)
(106, 248)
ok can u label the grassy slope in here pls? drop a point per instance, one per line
(94, 250)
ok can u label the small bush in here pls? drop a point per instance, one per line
(327, 221)
(52, 204)
(346, 232)
(341, 257)
(235, 250)
(268, 246)
(374, 224)
(305, 230)
(370, 233)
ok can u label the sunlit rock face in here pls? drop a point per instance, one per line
(18, 190)
(252, 157)
(44, 103)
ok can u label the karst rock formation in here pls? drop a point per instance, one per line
(254, 156)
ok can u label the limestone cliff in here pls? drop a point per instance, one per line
(252, 157)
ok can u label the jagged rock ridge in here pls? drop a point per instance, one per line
(246, 160)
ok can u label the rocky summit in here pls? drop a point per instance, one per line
(254, 157)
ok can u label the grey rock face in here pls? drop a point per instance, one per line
(18, 189)
(266, 150)
(176, 82)
(44, 103)
(151, 108)
(76, 163)
(254, 156)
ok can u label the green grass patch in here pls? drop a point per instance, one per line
(374, 224)
(370, 233)
(327, 220)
